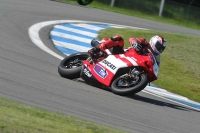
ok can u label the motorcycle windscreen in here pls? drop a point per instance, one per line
(155, 65)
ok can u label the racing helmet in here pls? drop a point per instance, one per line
(157, 44)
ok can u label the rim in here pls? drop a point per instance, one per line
(75, 62)
(127, 82)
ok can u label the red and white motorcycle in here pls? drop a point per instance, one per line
(124, 74)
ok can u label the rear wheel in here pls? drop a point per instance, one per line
(70, 67)
(126, 85)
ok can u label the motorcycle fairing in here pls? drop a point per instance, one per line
(100, 76)
(87, 76)
(105, 70)
(147, 62)
(112, 63)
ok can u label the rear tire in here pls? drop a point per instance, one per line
(132, 89)
(70, 67)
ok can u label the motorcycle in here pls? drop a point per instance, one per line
(123, 74)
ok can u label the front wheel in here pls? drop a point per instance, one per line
(70, 67)
(125, 85)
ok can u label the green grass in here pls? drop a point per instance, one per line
(179, 71)
(135, 13)
(18, 118)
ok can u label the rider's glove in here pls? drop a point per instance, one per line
(93, 51)
(137, 45)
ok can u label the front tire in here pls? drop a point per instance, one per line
(121, 90)
(70, 67)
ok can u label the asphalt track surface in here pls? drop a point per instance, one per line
(29, 75)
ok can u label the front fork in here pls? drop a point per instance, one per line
(134, 73)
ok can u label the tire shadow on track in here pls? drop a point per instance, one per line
(146, 99)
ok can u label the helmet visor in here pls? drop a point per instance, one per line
(160, 48)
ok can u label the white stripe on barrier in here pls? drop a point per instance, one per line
(71, 37)
(76, 31)
(88, 26)
(71, 46)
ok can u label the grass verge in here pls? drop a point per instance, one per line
(178, 22)
(18, 118)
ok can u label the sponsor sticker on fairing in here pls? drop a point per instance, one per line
(87, 72)
(107, 63)
(100, 71)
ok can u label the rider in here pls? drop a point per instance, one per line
(115, 44)
(156, 45)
